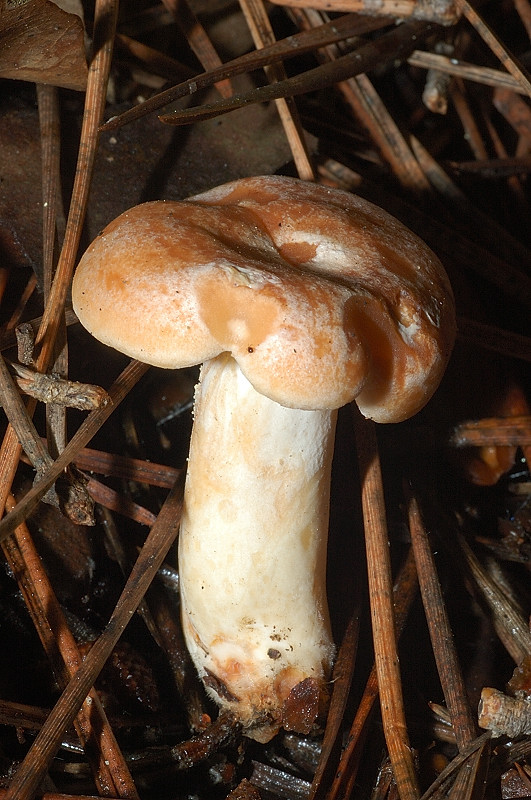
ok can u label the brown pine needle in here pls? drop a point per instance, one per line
(105, 18)
(153, 60)
(470, 781)
(511, 626)
(404, 593)
(52, 210)
(446, 658)
(447, 775)
(508, 343)
(386, 133)
(444, 13)
(523, 9)
(497, 47)
(397, 43)
(360, 94)
(382, 611)
(110, 770)
(119, 503)
(461, 69)
(341, 680)
(262, 33)
(198, 39)
(293, 46)
(130, 469)
(31, 772)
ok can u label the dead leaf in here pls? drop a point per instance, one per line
(40, 42)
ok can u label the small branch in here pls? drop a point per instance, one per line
(503, 715)
(76, 503)
(435, 93)
(125, 382)
(54, 389)
(220, 733)
(25, 336)
(21, 422)
(9, 336)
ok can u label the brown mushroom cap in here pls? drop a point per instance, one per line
(320, 296)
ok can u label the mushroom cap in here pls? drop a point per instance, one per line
(319, 295)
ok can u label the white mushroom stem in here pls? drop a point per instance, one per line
(321, 298)
(252, 548)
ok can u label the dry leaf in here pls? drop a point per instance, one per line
(42, 43)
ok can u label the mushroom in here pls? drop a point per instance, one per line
(296, 299)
